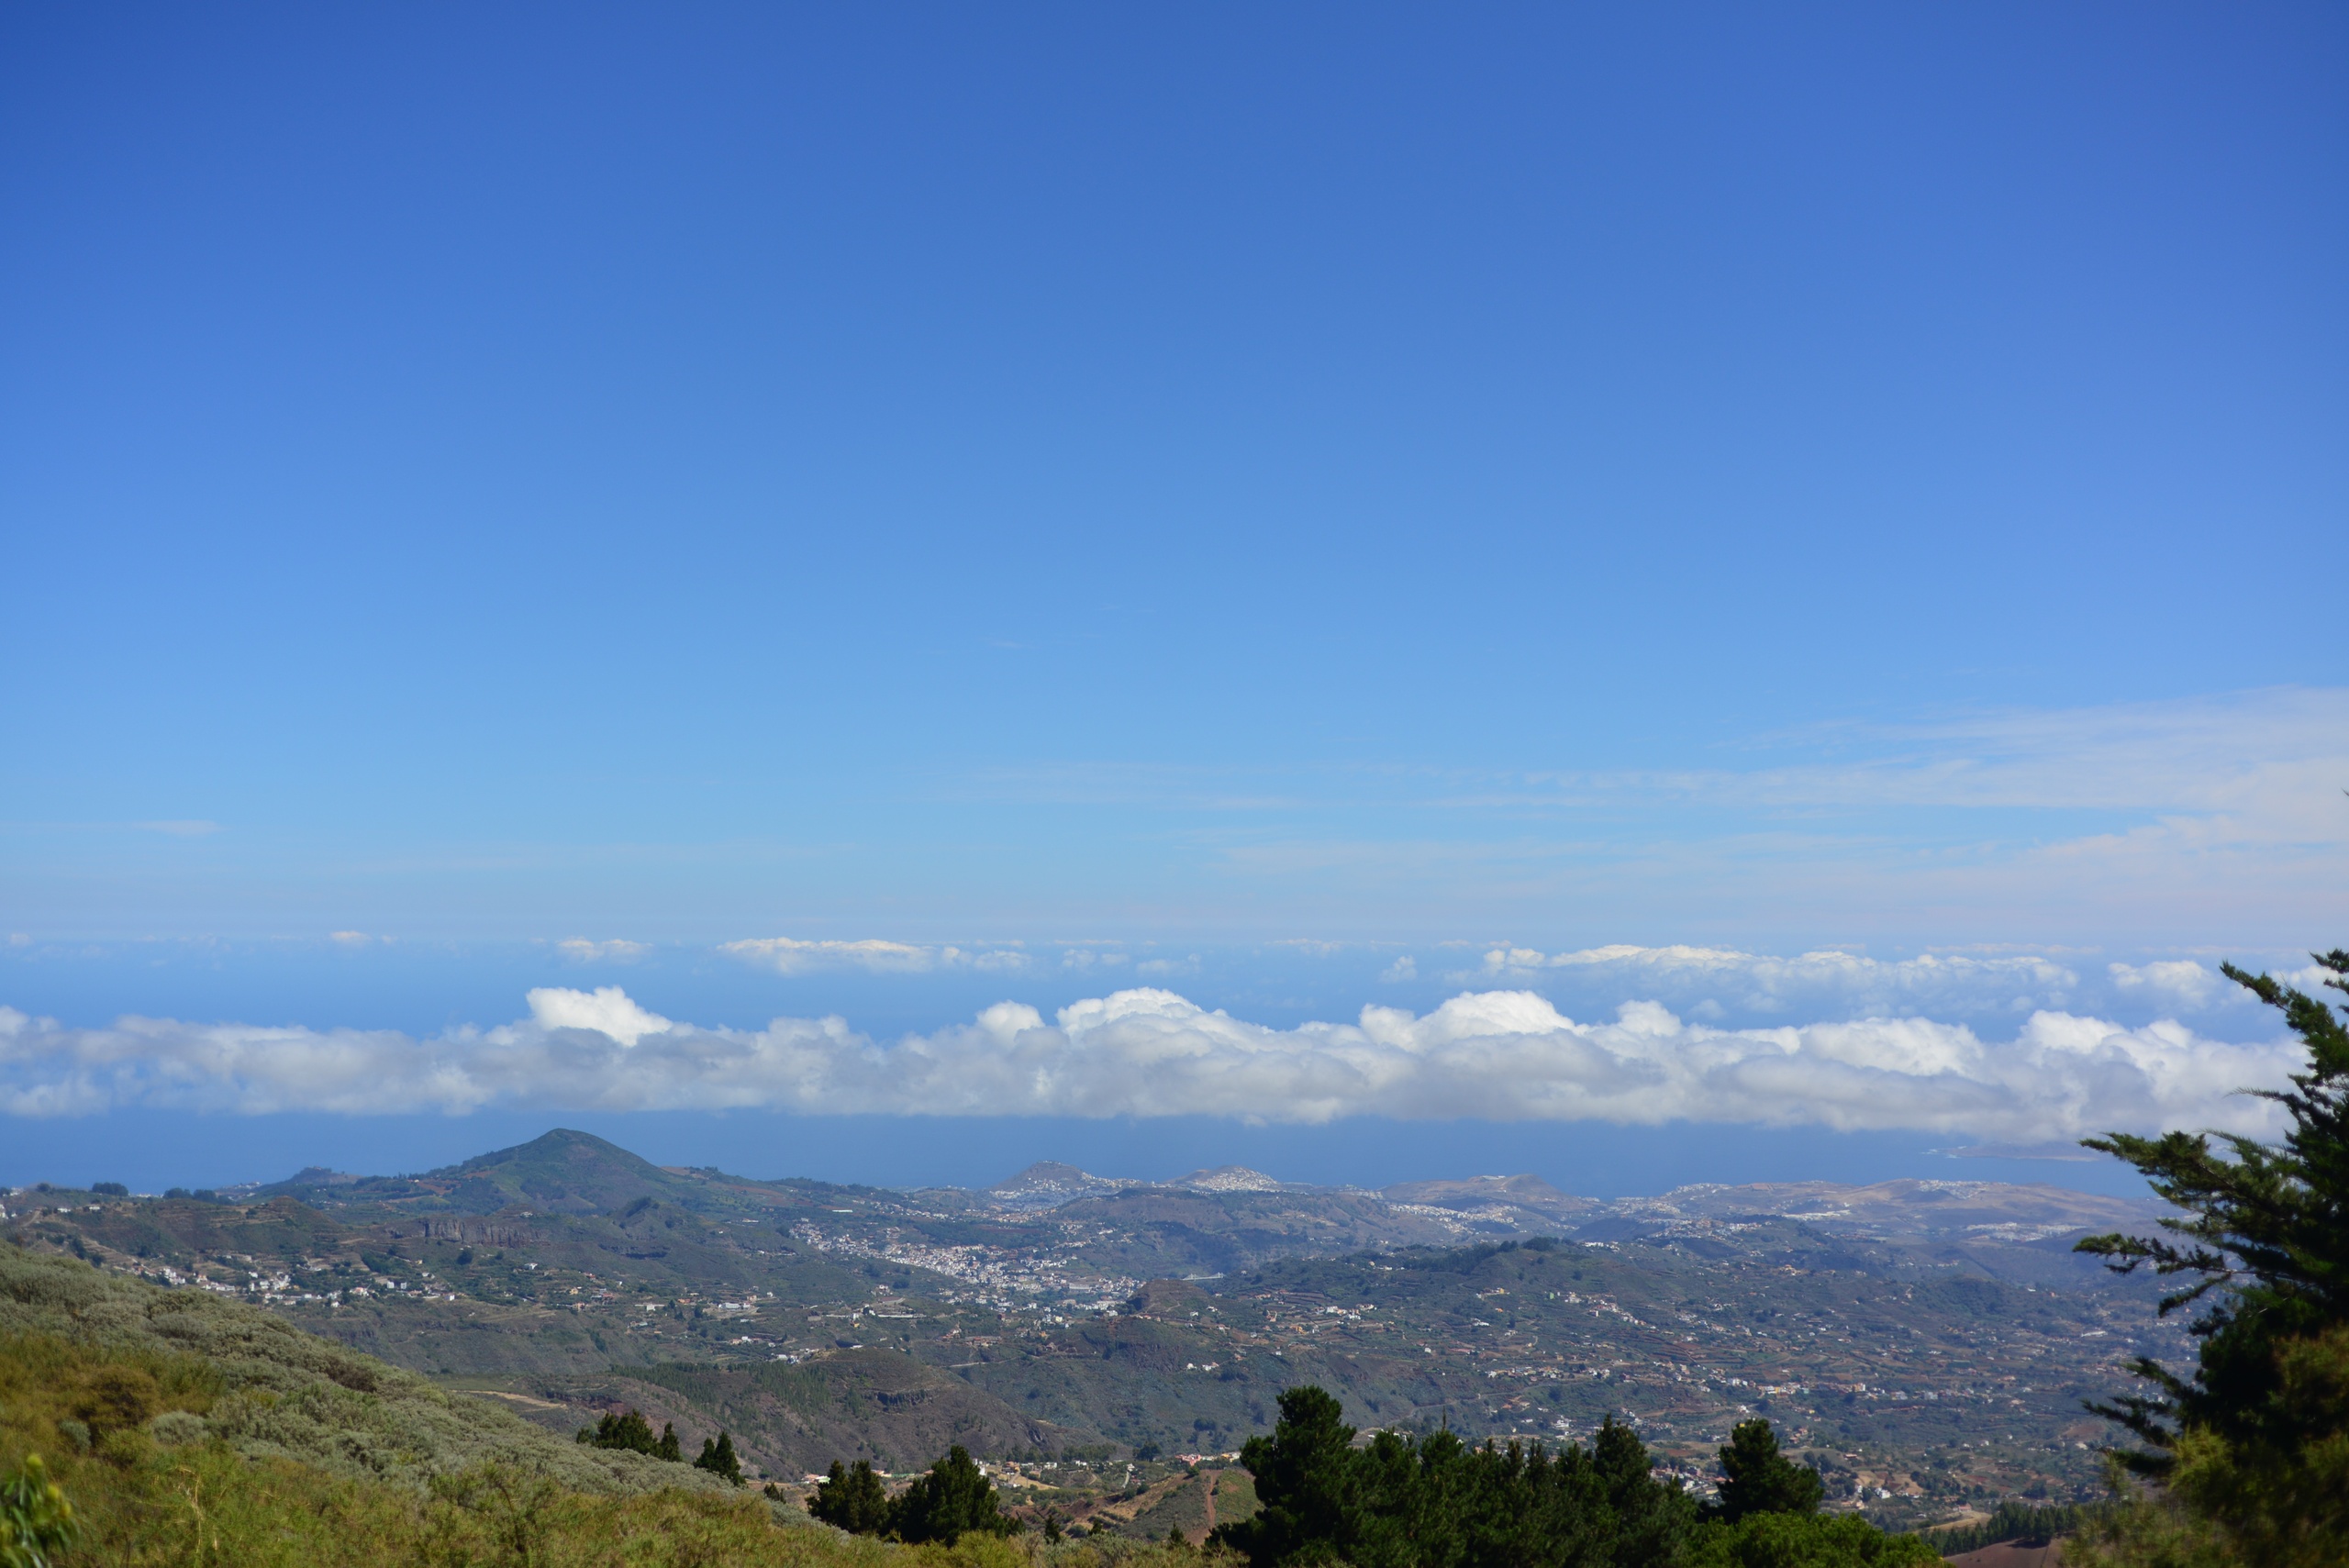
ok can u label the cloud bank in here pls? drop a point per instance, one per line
(1503, 1055)
(1986, 988)
(583, 950)
(1842, 981)
(786, 956)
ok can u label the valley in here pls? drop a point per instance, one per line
(1926, 1345)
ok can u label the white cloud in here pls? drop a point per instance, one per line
(349, 939)
(1848, 984)
(2314, 979)
(1404, 968)
(1505, 1055)
(579, 950)
(2180, 982)
(606, 1011)
(786, 956)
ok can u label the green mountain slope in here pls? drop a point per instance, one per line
(561, 1172)
(221, 1369)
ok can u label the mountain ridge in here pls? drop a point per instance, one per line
(1061, 1312)
(568, 1172)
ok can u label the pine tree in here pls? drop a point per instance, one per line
(852, 1499)
(1761, 1479)
(1302, 1482)
(667, 1448)
(627, 1431)
(1651, 1518)
(1434, 1502)
(953, 1500)
(2257, 1441)
(718, 1457)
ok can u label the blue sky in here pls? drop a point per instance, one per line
(1300, 500)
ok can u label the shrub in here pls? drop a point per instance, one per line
(174, 1429)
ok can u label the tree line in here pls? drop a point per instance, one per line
(1437, 1502)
